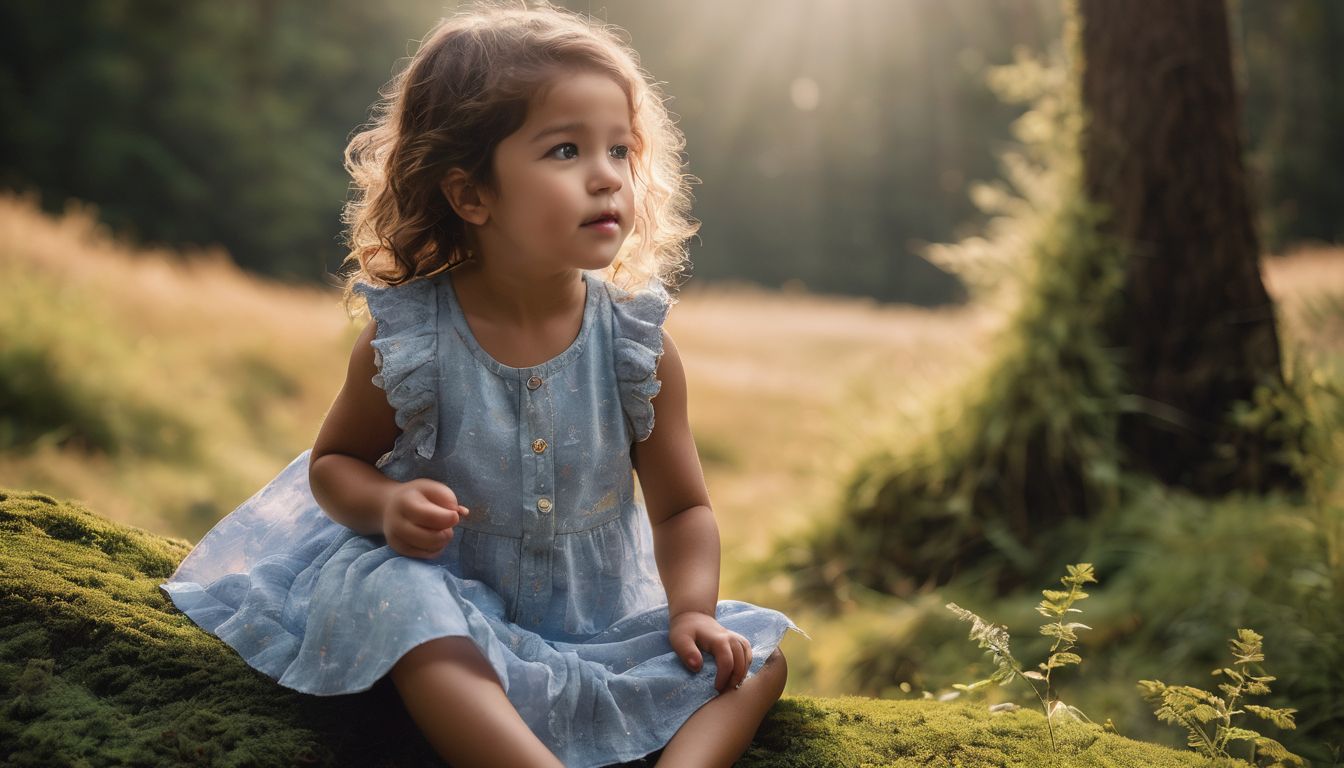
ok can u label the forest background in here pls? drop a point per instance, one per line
(169, 338)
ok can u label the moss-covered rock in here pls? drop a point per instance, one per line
(97, 668)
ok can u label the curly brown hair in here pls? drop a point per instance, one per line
(467, 87)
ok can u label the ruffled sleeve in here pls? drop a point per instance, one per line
(638, 345)
(404, 349)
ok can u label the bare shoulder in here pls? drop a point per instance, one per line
(669, 363)
(361, 423)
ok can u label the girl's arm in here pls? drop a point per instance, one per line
(685, 536)
(360, 427)
(417, 516)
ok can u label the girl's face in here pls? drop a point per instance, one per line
(564, 195)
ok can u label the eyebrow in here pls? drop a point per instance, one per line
(565, 128)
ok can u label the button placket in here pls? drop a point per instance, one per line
(537, 427)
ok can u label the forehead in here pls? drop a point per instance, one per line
(590, 98)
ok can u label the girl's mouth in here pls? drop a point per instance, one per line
(606, 223)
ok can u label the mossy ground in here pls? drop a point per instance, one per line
(97, 668)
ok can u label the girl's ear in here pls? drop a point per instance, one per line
(464, 197)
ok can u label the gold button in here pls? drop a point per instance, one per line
(534, 382)
(544, 505)
(538, 445)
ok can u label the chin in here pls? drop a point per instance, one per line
(597, 263)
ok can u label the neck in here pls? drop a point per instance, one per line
(499, 294)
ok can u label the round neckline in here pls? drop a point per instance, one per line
(544, 368)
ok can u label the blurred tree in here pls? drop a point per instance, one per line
(1162, 148)
(1142, 338)
(198, 122)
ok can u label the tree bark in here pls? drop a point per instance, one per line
(1162, 148)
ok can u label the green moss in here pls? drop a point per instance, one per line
(855, 731)
(97, 668)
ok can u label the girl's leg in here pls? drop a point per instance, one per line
(455, 698)
(720, 731)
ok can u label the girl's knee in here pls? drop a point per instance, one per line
(460, 652)
(776, 671)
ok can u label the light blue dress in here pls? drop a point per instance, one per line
(552, 576)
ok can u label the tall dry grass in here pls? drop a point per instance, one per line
(247, 365)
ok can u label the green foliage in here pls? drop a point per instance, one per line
(1031, 439)
(199, 123)
(1057, 605)
(1180, 569)
(1199, 711)
(1288, 129)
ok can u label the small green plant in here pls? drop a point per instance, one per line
(1197, 710)
(1056, 605)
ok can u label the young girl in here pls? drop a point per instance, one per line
(466, 520)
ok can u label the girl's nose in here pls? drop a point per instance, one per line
(606, 177)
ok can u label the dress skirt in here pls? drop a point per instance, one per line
(326, 611)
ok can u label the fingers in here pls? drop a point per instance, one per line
(436, 493)
(426, 540)
(685, 647)
(722, 649)
(741, 660)
(426, 514)
(731, 652)
(732, 656)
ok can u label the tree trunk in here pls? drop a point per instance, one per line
(1162, 148)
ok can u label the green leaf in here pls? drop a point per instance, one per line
(1060, 659)
(1152, 688)
(1204, 713)
(1276, 751)
(1061, 632)
(1003, 674)
(1050, 610)
(1257, 689)
(1226, 734)
(1247, 647)
(1080, 574)
(1283, 718)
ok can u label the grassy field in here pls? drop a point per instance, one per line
(190, 384)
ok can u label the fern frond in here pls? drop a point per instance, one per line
(1276, 751)
(1248, 647)
(1282, 718)
(1228, 733)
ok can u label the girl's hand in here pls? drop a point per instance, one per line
(419, 516)
(691, 631)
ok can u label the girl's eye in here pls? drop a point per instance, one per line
(569, 151)
(564, 152)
